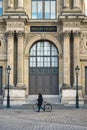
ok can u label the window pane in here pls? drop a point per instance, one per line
(33, 50)
(46, 61)
(40, 48)
(47, 9)
(34, 9)
(40, 10)
(54, 50)
(39, 61)
(1, 10)
(32, 61)
(46, 48)
(53, 9)
(54, 61)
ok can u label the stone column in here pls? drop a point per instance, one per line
(66, 3)
(77, 4)
(77, 55)
(66, 57)
(10, 3)
(20, 4)
(10, 55)
(20, 69)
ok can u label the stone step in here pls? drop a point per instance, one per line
(52, 99)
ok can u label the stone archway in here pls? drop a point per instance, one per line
(30, 43)
(43, 63)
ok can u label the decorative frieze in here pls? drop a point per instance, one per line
(15, 26)
(71, 24)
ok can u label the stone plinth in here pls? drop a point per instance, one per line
(69, 96)
(17, 96)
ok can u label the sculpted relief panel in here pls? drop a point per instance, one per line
(2, 45)
(83, 44)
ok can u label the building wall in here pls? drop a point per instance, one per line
(16, 22)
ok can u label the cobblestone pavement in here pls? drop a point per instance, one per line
(58, 119)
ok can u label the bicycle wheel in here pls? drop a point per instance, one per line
(48, 107)
(35, 107)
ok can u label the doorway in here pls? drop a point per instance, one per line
(44, 70)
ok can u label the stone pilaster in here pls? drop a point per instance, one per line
(10, 4)
(66, 3)
(77, 55)
(10, 55)
(20, 69)
(66, 57)
(77, 4)
(20, 4)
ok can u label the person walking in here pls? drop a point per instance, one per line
(39, 100)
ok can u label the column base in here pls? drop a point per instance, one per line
(20, 85)
(17, 96)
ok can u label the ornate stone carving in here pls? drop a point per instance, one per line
(71, 24)
(15, 26)
(2, 45)
(77, 33)
(83, 44)
(20, 33)
(66, 33)
(10, 34)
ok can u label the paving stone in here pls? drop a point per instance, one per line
(24, 119)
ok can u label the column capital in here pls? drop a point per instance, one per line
(10, 34)
(77, 33)
(66, 33)
(20, 33)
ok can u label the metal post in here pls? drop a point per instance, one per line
(77, 97)
(8, 97)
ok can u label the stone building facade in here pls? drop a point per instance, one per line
(43, 41)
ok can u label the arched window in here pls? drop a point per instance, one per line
(1, 9)
(43, 9)
(43, 68)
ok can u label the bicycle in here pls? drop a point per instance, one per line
(45, 106)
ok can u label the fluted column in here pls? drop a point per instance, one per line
(66, 57)
(77, 55)
(66, 3)
(10, 3)
(77, 4)
(10, 55)
(20, 69)
(20, 5)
